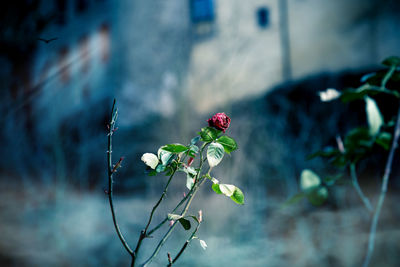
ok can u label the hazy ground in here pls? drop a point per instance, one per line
(39, 230)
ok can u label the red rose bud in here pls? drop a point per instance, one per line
(190, 161)
(219, 121)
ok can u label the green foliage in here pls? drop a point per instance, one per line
(391, 61)
(384, 139)
(184, 222)
(228, 190)
(312, 188)
(175, 148)
(238, 196)
(209, 134)
(359, 141)
(228, 143)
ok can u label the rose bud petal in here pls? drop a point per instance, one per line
(219, 121)
(190, 161)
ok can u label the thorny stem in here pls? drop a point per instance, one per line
(356, 185)
(110, 180)
(382, 195)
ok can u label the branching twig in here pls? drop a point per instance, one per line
(143, 233)
(360, 193)
(186, 244)
(382, 195)
(111, 171)
(168, 233)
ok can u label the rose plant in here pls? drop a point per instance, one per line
(358, 143)
(206, 150)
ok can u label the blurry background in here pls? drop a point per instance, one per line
(171, 65)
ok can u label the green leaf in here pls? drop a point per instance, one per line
(238, 196)
(160, 168)
(364, 90)
(215, 153)
(193, 150)
(374, 116)
(367, 77)
(228, 143)
(340, 161)
(151, 172)
(294, 199)
(309, 180)
(209, 134)
(164, 156)
(227, 189)
(318, 196)
(327, 153)
(331, 180)
(195, 140)
(185, 223)
(384, 139)
(391, 61)
(175, 148)
(216, 189)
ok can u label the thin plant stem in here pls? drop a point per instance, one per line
(143, 233)
(111, 170)
(385, 180)
(356, 185)
(185, 245)
(388, 75)
(184, 198)
(166, 218)
(168, 233)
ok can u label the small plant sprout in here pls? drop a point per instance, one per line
(196, 160)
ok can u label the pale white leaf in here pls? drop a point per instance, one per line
(215, 181)
(329, 95)
(309, 180)
(215, 153)
(227, 189)
(189, 182)
(174, 217)
(164, 156)
(374, 116)
(203, 244)
(150, 160)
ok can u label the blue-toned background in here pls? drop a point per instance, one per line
(171, 65)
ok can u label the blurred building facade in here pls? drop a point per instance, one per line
(169, 58)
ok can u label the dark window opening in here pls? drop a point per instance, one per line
(201, 10)
(263, 17)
